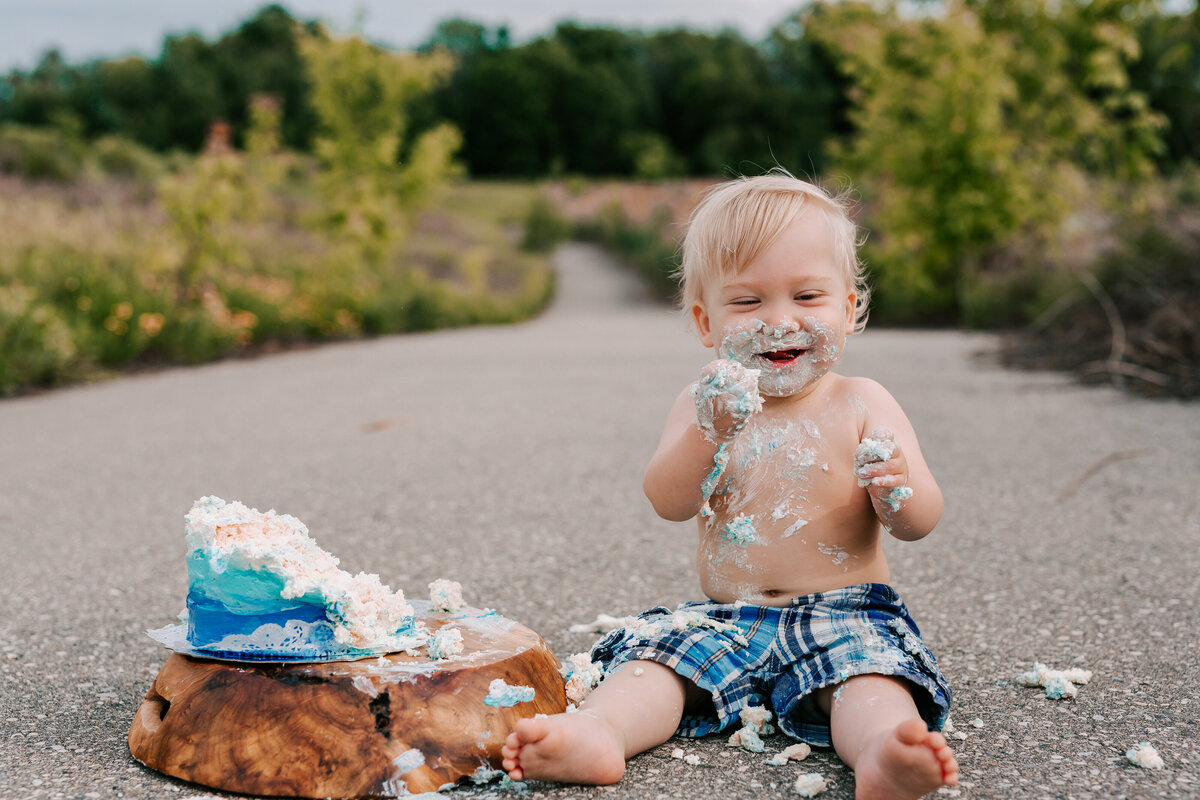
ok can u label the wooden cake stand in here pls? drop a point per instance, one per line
(345, 728)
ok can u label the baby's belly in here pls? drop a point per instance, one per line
(771, 566)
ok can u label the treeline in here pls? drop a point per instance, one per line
(602, 101)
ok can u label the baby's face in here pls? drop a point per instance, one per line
(786, 314)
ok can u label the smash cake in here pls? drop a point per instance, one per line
(259, 588)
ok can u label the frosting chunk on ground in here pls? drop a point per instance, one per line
(1059, 684)
(1144, 756)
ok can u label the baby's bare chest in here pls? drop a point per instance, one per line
(772, 457)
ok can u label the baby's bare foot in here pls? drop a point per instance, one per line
(907, 763)
(575, 748)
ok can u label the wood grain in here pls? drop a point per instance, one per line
(336, 729)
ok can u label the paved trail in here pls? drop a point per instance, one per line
(510, 459)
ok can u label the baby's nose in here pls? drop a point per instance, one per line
(779, 323)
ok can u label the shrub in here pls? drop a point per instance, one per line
(36, 345)
(545, 228)
(116, 155)
(1134, 319)
(39, 154)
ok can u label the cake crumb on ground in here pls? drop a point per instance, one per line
(1059, 684)
(810, 784)
(1145, 756)
(797, 752)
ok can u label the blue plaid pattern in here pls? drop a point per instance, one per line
(763, 655)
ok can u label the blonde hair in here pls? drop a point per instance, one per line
(739, 219)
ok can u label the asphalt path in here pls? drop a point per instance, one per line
(510, 459)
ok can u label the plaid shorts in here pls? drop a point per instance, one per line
(777, 657)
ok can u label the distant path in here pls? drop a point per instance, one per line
(510, 459)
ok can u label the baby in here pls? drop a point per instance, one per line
(793, 473)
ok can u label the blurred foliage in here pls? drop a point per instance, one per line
(169, 102)
(360, 92)
(601, 101)
(966, 140)
(54, 154)
(1001, 148)
(604, 101)
(124, 258)
(1133, 318)
(545, 228)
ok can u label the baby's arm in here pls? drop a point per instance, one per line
(706, 415)
(889, 464)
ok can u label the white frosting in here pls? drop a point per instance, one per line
(871, 451)
(505, 695)
(756, 723)
(1145, 756)
(409, 760)
(810, 784)
(582, 675)
(446, 643)
(726, 387)
(446, 595)
(816, 342)
(796, 752)
(1059, 684)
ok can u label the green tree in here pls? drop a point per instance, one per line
(714, 94)
(1168, 74)
(809, 105)
(967, 134)
(360, 93)
(504, 110)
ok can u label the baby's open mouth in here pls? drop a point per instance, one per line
(781, 358)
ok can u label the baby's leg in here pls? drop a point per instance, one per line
(634, 709)
(878, 732)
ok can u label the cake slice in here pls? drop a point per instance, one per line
(258, 585)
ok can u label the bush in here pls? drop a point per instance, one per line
(1134, 319)
(36, 345)
(545, 228)
(116, 155)
(39, 154)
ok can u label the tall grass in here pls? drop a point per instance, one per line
(91, 282)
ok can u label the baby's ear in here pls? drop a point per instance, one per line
(703, 326)
(851, 309)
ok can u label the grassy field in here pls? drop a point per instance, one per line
(97, 277)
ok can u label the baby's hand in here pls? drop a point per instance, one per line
(725, 396)
(880, 466)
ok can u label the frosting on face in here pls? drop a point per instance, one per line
(789, 357)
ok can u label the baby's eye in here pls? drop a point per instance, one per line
(807, 296)
(743, 301)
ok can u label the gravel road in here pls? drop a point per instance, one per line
(510, 459)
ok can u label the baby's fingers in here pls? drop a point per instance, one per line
(888, 481)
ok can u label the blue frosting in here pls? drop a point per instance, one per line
(209, 621)
(502, 695)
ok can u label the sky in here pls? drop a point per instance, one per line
(87, 29)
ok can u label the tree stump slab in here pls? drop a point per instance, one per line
(379, 727)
